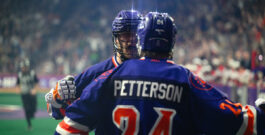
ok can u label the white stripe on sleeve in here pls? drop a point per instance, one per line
(76, 125)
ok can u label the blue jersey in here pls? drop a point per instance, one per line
(83, 79)
(155, 97)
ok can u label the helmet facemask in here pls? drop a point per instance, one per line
(125, 45)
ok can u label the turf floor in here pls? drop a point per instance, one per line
(41, 126)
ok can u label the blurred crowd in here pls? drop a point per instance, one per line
(224, 40)
(58, 37)
(218, 39)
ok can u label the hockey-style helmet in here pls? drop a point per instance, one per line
(125, 22)
(156, 33)
(24, 63)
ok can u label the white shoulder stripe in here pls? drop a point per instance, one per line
(244, 123)
(114, 61)
(253, 109)
(75, 125)
(62, 131)
(244, 126)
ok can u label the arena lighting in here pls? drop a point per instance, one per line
(132, 9)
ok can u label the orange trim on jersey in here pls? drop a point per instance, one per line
(249, 130)
(155, 60)
(200, 84)
(114, 61)
(143, 58)
(170, 61)
(223, 106)
(70, 129)
(236, 104)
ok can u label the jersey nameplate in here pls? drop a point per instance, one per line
(148, 89)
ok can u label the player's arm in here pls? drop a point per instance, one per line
(76, 119)
(17, 88)
(36, 80)
(56, 106)
(260, 103)
(60, 97)
(82, 115)
(216, 114)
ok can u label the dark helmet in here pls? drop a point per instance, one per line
(24, 63)
(125, 22)
(157, 33)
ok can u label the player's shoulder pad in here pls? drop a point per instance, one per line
(200, 86)
(196, 82)
(93, 90)
(199, 83)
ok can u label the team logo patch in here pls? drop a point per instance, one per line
(199, 83)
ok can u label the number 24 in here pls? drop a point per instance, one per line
(131, 116)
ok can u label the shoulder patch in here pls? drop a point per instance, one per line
(199, 83)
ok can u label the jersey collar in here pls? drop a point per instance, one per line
(158, 60)
(114, 61)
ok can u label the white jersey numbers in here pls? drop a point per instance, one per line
(127, 119)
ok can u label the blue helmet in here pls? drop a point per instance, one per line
(157, 33)
(126, 21)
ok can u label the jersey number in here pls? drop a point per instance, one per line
(127, 118)
(231, 106)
